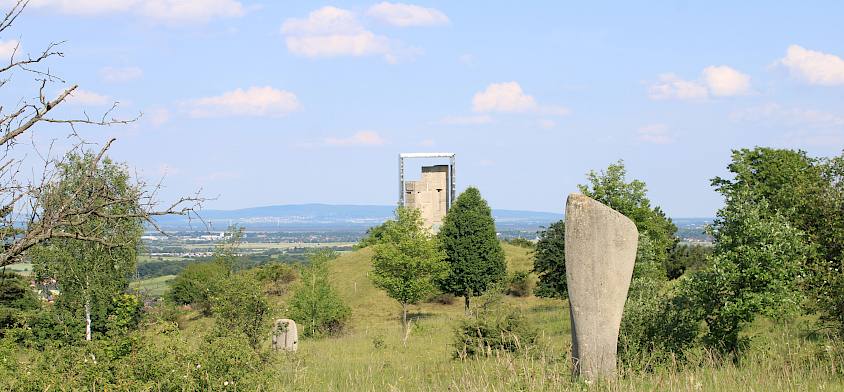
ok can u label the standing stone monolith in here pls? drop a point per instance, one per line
(285, 335)
(600, 252)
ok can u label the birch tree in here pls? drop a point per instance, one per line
(29, 170)
(90, 274)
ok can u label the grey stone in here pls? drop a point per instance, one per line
(600, 252)
(285, 335)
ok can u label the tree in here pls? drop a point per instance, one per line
(756, 266)
(610, 187)
(809, 194)
(315, 304)
(549, 261)
(90, 274)
(27, 217)
(472, 248)
(407, 261)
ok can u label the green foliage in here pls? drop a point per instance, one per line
(407, 260)
(808, 193)
(240, 306)
(520, 284)
(522, 242)
(687, 258)
(373, 236)
(472, 248)
(315, 304)
(276, 277)
(125, 313)
(197, 284)
(658, 326)
(549, 261)
(756, 266)
(15, 292)
(630, 198)
(90, 274)
(494, 326)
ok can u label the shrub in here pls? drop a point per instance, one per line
(521, 284)
(197, 284)
(658, 325)
(494, 327)
(276, 277)
(240, 307)
(315, 305)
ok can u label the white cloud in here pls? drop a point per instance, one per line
(167, 11)
(655, 133)
(503, 97)
(466, 59)
(407, 15)
(362, 138)
(508, 97)
(332, 32)
(177, 11)
(670, 86)
(122, 74)
(814, 67)
(254, 101)
(724, 81)
(87, 98)
(776, 115)
(466, 120)
(719, 81)
(7, 48)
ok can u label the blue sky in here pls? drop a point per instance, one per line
(264, 103)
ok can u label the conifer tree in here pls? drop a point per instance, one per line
(471, 245)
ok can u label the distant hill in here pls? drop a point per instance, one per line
(333, 217)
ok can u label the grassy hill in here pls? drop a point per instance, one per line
(371, 356)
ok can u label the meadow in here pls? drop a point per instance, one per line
(370, 354)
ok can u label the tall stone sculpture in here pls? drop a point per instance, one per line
(285, 335)
(600, 251)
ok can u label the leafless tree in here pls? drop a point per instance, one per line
(28, 217)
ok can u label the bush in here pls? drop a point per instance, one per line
(315, 305)
(197, 284)
(658, 325)
(494, 327)
(520, 284)
(276, 277)
(241, 307)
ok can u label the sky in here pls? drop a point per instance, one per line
(262, 103)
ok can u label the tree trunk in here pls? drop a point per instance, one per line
(466, 304)
(88, 320)
(404, 323)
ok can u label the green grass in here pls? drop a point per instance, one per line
(780, 359)
(154, 287)
(21, 268)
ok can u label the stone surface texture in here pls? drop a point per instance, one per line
(285, 335)
(429, 195)
(600, 252)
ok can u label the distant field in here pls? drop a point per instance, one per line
(273, 245)
(21, 268)
(154, 287)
